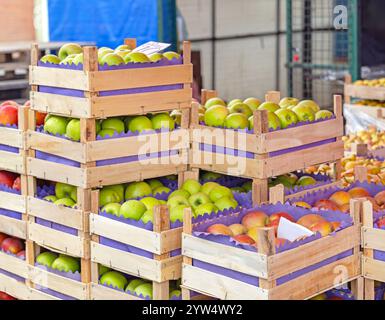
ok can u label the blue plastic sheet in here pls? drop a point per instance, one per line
(108, 22)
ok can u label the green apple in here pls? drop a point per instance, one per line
(56, 125)
(215, 116)
(214, 102)
(50, 58)
(102, 49)
(154, 183)
(273, 121)
(220, 192)
(171, 55)
(324, 114)
(78, 59)
(282, 180)
(183, 193)
(234, 101)
(73, 130)
(304, 113)
(177, 201)
(124, 47)
(140, 123)
(288, 102)
(50, 198)
(137, 190)
(226, 203)
(112, 208)
(103, 269)
(69, 49)
(197, 199)
(113, 123)
(98, 126)
(106, 133)
(114, 279)
(155, 57)
(66, 263)
(67, 202)
(248, 186)
(163, 120)
(63, 190)
(177, 116)
(74, 194)
(175, 293)
(176, 213)
(207, 175)
(150, 202)
(164, 202)
(118, 188)
(144, 290)
(46, 258)
(172, 177)
(269, 106)
(122, 53)
(103, 53)
(147, 217)
(236, 121)
(161, 190)
(107, 196)
(253, 103)
(206, 208)
(287, 117)
(136, 57)
(208, 186)
(112, 59)
(133, 284)
(132, 209)
(238, 189)
(241, 108)
(311, 104)
(191, 186)
(306, 181)
(67, 61)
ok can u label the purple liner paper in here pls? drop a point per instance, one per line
(11, 214)
(13, 255)
(69, 275)
(54, 293)
(5, 188)
(11, 126)
(6, 148)
(125, 292)
(11, 275)
(379, 293)
(345, 294)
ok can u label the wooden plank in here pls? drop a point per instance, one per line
(314, 252)
(13, 227)
(219, 286)
(12, 137)
(59, 214)
(365, 92)
(244, 261)
(13, 287)
(12, 162)
(72, 150)
(38, 295)
(318, 281)
(125, 147)
(14, 265)
(373, 269)
(139, 266)
(60, 78)
(315, 189)
(140, 78)
(11, 201)
(99, 292)
(64, 242)
(58, 283)
(373, 238)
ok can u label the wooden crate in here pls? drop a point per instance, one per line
(362, 92)
(263, 142)
(268, 266)
(161, 242)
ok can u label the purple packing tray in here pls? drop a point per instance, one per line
(10, 214)
(345, 294)
(5, 188)
(69, 275)
(6, 148)
(57, 226)
(80, 94)
(54, 293)
(11, 275)
(379, 293)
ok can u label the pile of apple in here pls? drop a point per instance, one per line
(12, 245)
(5, 296)
(70, 128)
(291, 180)
(65, 195)
(340, 200)
(372, 137)
(203, 199)
(371, 83)
(10, 180)
(376, 169)
(238, 114)
(9, 114)
(72, 54)
(370, 103)
(59, 262)
(138, 287)
(247, 231)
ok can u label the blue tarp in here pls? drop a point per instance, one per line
(108, 22)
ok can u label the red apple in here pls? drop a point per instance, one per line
(27, 103)
(279, 215)
(12, 245)
(5, 296)
(336, 225)
(40, 117)
(325, 204)
(8, 115)
(9, 103)
(220, 229)
(279, 242)
(21, 254)
(3, 236)
(323, 227)
(244, 239)
(309, 220)
(7, 178)
(255, 219)
(17, 184)
(381, 222)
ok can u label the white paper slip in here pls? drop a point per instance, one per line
(151, 47)
(292, 231)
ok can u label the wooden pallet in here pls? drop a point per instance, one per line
(269, 266)
(263, 142)
(160, 242)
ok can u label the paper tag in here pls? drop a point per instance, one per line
(151, 47)
(292, 231)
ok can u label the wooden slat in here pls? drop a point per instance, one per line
(139, 266)
(140, 78)
(38, 295)
(59, 214)
(58, 283)
(61, 78)
(12, 162)
(219, 286)
(14, 288)
(14, 202)
(225, 256)
(13, 227)
(64, 242)
(99, 292)
(365, 92)
(373, 269)
(14, 265)
(12, 137)
(315, 189)
(72, 150)
(373, 238)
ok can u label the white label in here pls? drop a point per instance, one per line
(151, 47)
(292, 231)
